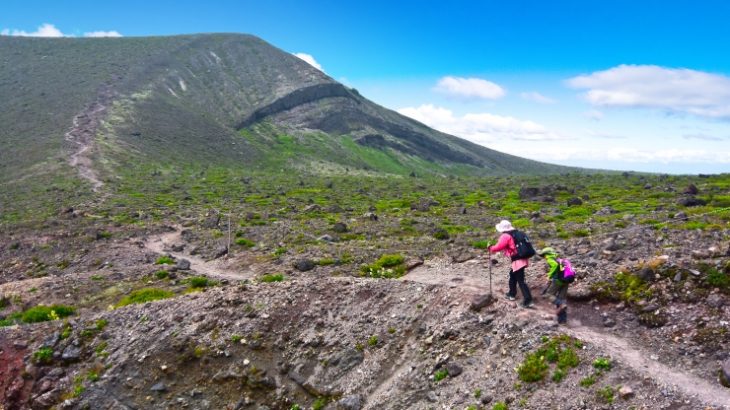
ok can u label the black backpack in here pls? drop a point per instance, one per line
(522, 245)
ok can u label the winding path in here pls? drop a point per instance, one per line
(215, 269)
(82, 134)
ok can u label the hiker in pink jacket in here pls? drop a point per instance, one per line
(506, 244)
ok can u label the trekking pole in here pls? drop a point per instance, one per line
(489, 261)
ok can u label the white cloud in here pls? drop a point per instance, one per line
(594, 115)
(674, 90)
(309, 59)
(44, 30)
(49, 30)
(469, 88)
(102, 34)
(480, 128)
(534, 96)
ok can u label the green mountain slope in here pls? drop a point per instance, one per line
(214, 99)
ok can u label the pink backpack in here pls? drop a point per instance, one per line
(566, 273)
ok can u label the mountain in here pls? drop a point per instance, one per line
(223, 99)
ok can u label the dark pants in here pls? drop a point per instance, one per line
(518, 278)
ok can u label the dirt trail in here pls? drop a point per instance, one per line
(216, 268)
(472, 277)
(82, 134)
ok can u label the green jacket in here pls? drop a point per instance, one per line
(553, 265)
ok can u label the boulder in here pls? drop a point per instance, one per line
(304, 265)
(183, 264)
(626, 392)
(691, 201)
(340, 227)
(575, 201)
(691, 190)
(350, 403)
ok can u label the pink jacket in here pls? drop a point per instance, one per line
(507, 245)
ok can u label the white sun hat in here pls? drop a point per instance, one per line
(504, 226)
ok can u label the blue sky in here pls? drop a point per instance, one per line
(611, 84)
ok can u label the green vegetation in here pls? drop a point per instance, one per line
(144, 295)
(271, 277)
(246, 243)
(199, 282)
(319, 403)
(162, 274)
(558, 350)
(602, 363)
(626, 287)
(606, 394)
(39, 313)
(500, 405)
(440, 375)
(373, 341)
(165, 260)
(44, 355)
(387, 266)
(588, 381)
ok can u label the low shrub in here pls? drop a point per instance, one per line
(387, 266)
(440, 375)
(246, 243)
(165, 260)
(271, 277)
(144, 295)
(44, 355)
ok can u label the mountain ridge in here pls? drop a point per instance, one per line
(196, 95)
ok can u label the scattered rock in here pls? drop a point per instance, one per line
(212, 221)
(71, 353)
(689, 201)
(626, 392)
(715, 300)
(479, 301)
(304, 265)
(691, 190)
(454, 369)
(350, 403)
(183, 264)
(159, 387)
(340, 227)
(575, 201)
(371, 216)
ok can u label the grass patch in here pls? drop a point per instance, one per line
(602, 363)
(44, 355)
(162, 274)
(387, 266)
(165, 260)
(440, 375)
(246, 243)
(199, 282)
(271, 277)
(144, 295)
(558, 350)
(38, 314)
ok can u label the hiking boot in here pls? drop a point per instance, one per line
(528, 305)
(509, 297)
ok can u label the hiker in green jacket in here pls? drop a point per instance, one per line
(556, 289)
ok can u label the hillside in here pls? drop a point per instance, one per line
(219, 99)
